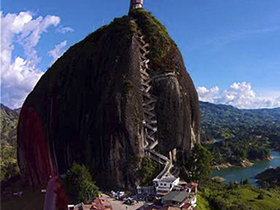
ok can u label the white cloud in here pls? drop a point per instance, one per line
(19, 72)
(57, 51)
(64, 30)
(207, 95)
(240, 95)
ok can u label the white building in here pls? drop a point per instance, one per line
(70, 207)
(137, 4)
(165, 184)
(192, 199)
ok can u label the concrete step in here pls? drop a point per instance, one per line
(152, 101)
(143, 57)
(149, 138)
(144, 64)
(145, 73)
(151, 133)
(144, 77)
(149, 113)
(146, 83)
(151, 108)
(152, 145)
(146, 51)
(149, 118)
(162, 157)
(147, 125)
(148, 89)
(142, 40)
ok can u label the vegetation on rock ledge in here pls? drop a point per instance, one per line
(79, 185)
(197, 169)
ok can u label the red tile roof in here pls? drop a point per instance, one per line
(186, 206)
(193, 184)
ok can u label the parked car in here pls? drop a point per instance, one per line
(119, 195)
(129, 201)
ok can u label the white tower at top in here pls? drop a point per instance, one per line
(134, 4)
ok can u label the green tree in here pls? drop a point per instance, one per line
(198, 165)
(79, 185)
(261, 196)
(8, 162)
(148, 171)
(265, 185)
(245, 182)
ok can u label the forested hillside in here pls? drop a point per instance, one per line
(228, 115)
(228, 122)
(9, 119)
(8, 160)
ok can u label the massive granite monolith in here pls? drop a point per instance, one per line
(87, 107)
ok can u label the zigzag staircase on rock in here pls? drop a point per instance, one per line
(148, 103)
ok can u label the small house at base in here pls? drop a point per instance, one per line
(176, 198)
(165, 184)
(186, 187)
(192, 187)
(180, 199)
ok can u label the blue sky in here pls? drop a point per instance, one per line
(230, 48)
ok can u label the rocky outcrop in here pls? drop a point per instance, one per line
(177, 108)
(87, 107)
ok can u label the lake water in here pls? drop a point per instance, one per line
(240, 173)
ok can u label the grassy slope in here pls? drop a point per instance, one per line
(271, 199)
(202, 203)
(246, 196)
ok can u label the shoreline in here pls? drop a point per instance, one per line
(245, 163)
(236, 171)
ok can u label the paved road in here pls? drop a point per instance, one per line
(118, 205)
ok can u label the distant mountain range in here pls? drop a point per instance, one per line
(221, 114)
(224, 121)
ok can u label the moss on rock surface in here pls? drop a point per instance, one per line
(90, 105)
(156, 35)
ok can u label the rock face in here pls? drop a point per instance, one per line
(87, 107)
